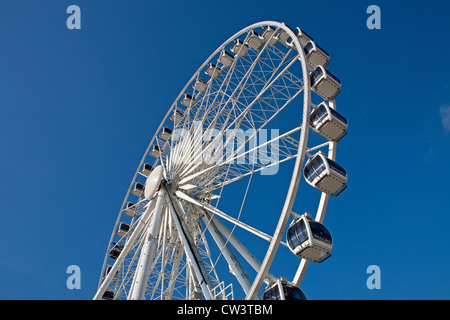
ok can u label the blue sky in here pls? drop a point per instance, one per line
(78, 108)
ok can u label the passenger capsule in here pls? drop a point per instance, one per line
(254, 40)
(213, 71)
(226, 59)
(328, 122)
(165, 133)
(130, 209)
(268, 35)
(302, 36)
(122, 229)
(106, 272)
(315, 55)
(156, 152)
(308, 239)
(283, 291)
(176, 116)
(239, 48)
(283, 37)
(138, 189)
(325, 84)
(146, 169)
(115, 250)
(187, 100)
(200, 85)
(108, 294)
(325, 174)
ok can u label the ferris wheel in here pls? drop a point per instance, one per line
(211, 210)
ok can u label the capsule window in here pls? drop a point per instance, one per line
(316, 75)
(309, 47)
(321, 112)
(320, 232)
(293, 293)
(108, 295)
(337, 168)
(338, 116)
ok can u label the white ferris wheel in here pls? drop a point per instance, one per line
(202, 218)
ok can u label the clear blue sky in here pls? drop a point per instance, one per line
(78, 108)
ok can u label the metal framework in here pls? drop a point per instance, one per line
(180, 238)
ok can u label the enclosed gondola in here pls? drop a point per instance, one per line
(315, 55)
(239, 48)
(115, 250)
(282, 290)
(155, 152)
(325, 174)
(226, 59)
(146, 169)
(122, 229)
(200, 85)
(309, 239)
(283, 37)
(325, 84)
(107, 270)
(254, 40)
(138, 189)
(213, 71)
(328, 122)
(268, 35)
(187, 100)
(302, 36)
(108, 294)
(165, 133)
(130, 209)
(176, 116)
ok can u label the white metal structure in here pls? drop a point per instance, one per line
(194, 230)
